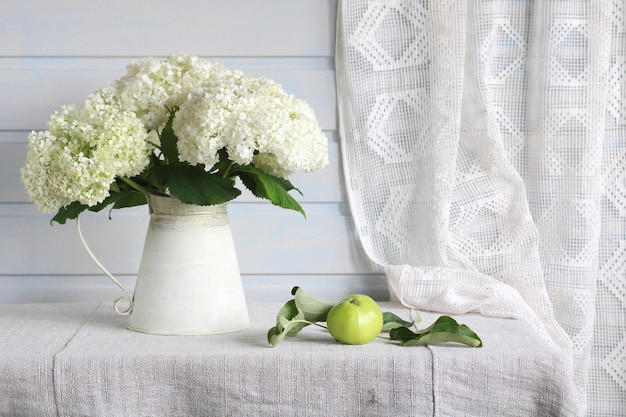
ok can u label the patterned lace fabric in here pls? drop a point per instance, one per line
(484, 152)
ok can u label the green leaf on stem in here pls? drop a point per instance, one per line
(289, 321)
(69, 212)
(191, 184)
(313, 308)
(444, 329)
(286, 184)
(124, 192)
(223, 165)
(129, 198)
(269, 187)
(169, 141)
(303, 310)
(121, 195)
(392, 321)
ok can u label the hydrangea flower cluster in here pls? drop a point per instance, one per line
(179, 120)
(82, 153)
(151, 86)
(264, 126)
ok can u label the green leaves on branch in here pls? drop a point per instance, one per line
(121, 195)
(304, 310)
(296, 314)
(444, 329)
(191, 185)
(269, 187)
(69, 212)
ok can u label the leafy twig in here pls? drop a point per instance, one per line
(305, 310)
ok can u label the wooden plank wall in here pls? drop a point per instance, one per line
(56, 53)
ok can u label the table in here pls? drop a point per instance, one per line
(78, 359)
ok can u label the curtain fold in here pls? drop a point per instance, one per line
(484, 151)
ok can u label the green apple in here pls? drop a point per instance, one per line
(355, 320)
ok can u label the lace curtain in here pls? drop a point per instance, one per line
(484, 147)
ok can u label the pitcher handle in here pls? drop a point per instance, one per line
(108, 274)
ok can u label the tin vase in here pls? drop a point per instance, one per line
(189, 281)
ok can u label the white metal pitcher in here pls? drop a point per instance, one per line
(189, 281)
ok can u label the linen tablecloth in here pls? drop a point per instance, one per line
(80, 360)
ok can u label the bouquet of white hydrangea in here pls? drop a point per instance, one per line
(179, 127)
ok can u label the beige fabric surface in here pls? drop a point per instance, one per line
(30, 337)
(80, 360)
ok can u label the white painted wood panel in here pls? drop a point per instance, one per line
(156, 27)
(56, 53)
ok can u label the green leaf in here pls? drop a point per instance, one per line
(286, 184)
(392, 321)
(313, 308)
(129, 198)
(224, 165)
(69, 212)
(444, 329)
(149, 178)
(303, 310)
(289, 321)
(169, 141)
(191, 184)
(269, 187)
(121, 195)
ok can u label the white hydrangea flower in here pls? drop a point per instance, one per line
(151, 85)
(203, 122)
(199, 127)
(81, 154)
(289, 138)
(256, 121)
